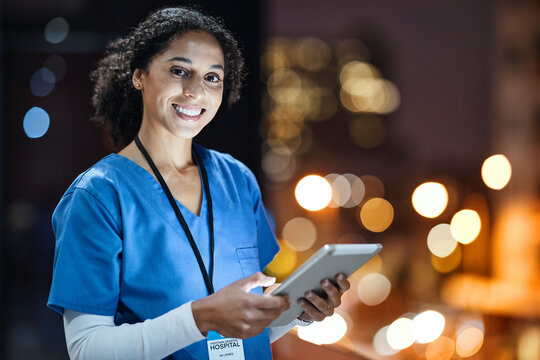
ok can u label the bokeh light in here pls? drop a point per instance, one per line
(469, 341)
(278, 165)
(465, 226)
(377, 214)
(448, 263)
(284, 262)
(358, 190)
(399, 334)
(328, 331)
(56, 30)
(341, 189)
(380, 343)
(442, 348)
(313, 54)
(313, 192)
(427, 326)
(42, 82)
(300, 233)
(373, 289)
(374, 187)
(36, 122)
(430, 199)
(529, 344)
(496, 171)
(440, 240)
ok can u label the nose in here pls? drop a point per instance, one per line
(192, 88)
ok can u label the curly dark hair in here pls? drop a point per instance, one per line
(117, 104)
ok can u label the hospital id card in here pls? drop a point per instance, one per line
(222, 348)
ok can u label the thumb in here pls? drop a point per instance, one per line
(257, 279)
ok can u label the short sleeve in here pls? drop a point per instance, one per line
(267, 242)
(87, 259)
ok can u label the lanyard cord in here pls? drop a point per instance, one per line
(208, 276)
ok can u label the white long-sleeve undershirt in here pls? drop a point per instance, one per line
(91, 336)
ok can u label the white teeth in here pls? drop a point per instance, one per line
(187, 111)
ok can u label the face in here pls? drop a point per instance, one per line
(182, 88)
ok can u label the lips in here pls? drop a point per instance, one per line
(190, 113)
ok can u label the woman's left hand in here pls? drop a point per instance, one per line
(316, 307)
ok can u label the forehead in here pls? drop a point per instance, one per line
(197, 46)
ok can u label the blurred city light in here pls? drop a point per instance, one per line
(448, 263)
(440, 240)
(328, 331)
(42, 82)
(380, 343)
(284, 262)
(529, 344)
(377, 214)
(313, 54)
(313, 192)
(300, 233)
(442, 348)
(465, 226)
(430, 199)
(427, 326)
(496, 171)
(36, 122)
(374, 187)
(469, 341)
(373, 289)
(278, 166)
(56, 30)
(341, 189)
(358, 190)
(399, 334)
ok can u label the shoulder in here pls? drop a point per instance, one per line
(223, 161)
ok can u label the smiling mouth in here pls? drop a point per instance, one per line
(188, 113)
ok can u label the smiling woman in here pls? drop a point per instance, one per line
(160, 247)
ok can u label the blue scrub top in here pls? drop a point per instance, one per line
(120, 250)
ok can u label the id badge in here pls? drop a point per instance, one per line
(222, 348)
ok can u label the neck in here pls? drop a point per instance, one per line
(166, 150)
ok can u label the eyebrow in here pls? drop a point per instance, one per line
(188, 61)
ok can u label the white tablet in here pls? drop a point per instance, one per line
(326, 263)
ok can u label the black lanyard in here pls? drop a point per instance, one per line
(208, 276)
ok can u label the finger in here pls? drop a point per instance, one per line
(271, 289)
(332, 292)
(319, 303)
(310, 310)
(255, 280)
(343, 283)
(268, 302)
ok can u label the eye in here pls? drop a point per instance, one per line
(214, 78)
(179, 71)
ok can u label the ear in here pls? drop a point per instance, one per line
(137, 79)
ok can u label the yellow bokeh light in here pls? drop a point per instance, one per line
(449, 263)
(284, 85)
(469, 341)
(284, 262)
(377, 214)
(440, 240)
(374, 187)
(328, 331)
(399, 334)
(300, 233)
(313, 54)
(529, 344)
(441, 349)
(373, 289)
(427, 326)
(430, 199)
(313, 192)
(496, 171)
(359, 70)
(380, 343)
(465, 226)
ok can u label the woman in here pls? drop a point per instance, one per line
(161, 245)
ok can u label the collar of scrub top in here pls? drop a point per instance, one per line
(207, 275)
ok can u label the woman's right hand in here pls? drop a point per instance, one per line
(235, 313)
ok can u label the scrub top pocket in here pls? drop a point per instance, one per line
(248, 258)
